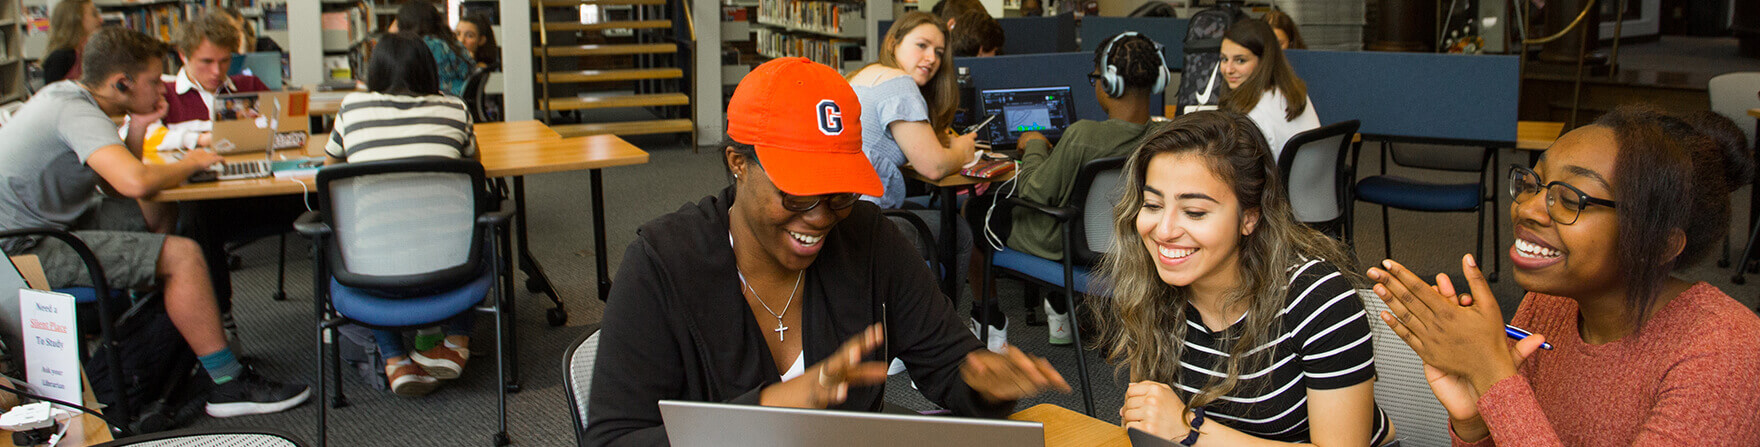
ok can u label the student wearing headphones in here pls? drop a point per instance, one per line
(56, 153)
(1129, 69)
(785, 289)
(1263, 86)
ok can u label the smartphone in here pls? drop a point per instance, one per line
(981, 124)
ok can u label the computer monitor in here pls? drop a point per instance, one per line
(690, 424)
(265, 65)
(1047, 110)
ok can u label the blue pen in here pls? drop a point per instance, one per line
(1516, 333)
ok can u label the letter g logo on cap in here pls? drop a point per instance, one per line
(830, 117)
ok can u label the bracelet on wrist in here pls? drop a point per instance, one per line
(1197, 421)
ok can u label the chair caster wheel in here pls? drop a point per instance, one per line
(1738, 279)
(556, 316)
(279, 296)
(1723, 263)
(234, 262)
(512, 388)
(502, 439)
(1492, 277)
(535, 286)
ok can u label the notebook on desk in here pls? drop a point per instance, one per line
(690, 424)
(1047, 110)
(259, 121)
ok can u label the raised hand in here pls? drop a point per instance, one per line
(1154, 408)
(827, 383)
(1009, 376)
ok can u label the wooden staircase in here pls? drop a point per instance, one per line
(636, 55)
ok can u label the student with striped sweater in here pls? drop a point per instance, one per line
(1237, 324)
(405, 115)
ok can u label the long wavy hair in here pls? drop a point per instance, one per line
(942, 92)
(1273, 71)
(67, 28)
(1143, 324)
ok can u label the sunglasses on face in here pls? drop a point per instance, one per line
(1564, 203)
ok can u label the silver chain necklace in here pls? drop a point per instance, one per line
(780, 328)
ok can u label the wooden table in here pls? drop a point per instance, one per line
(497, 161)
(948, 188)
(1067, 428)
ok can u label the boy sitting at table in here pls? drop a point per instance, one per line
(62, 146)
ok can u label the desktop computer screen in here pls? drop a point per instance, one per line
(1047, 110)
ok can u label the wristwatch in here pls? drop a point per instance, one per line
(1197, 421)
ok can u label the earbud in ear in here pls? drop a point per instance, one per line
(121, 86)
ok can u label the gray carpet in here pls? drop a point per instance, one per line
(278, 336)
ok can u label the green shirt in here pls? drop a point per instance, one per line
(1048, 175)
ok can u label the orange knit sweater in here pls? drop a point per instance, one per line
(1691, 376)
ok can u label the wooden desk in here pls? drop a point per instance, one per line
(1754, 113)
(498, 137)
(1067, 428)
(1537, 135)
(948, 188)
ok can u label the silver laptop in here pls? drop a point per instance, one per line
(690, 424)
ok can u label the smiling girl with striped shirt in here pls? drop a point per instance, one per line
(1234, 320)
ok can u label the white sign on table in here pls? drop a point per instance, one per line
(51, 344)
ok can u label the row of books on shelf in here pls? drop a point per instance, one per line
(843, 19)
(834, 52)
(155, 20)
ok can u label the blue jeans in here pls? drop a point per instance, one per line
(391, 342)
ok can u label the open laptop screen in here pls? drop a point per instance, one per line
(1047, 110)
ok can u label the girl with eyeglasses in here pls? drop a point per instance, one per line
(1639, 356)
(785, 289)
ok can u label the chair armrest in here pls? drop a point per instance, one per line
(1061, 213)
(497, 218)
(311, 224)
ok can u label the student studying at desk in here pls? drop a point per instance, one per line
(1128, 71)
(405, 115)
(1641, 357)
(784, 289)
(1237, 324)
(206, 46)
(54, 155)
(1263, 86)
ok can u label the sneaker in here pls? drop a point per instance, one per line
(1057, 325)
(410, 380)
(443, 361)
(998, 342)
(896, 367)
(250, 393)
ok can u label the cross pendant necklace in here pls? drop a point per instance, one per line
(780, 328)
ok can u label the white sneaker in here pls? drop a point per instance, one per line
(1058, 326)
(998, 342)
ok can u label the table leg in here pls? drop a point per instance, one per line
(949, 238)
(536, 280)
(599, 253)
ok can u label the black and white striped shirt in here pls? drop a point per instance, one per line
(1323, 344)
(377, 126)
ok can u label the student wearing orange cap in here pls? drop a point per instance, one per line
(785, 289)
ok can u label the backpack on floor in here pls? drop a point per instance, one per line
(1201, 86)
(165, 385)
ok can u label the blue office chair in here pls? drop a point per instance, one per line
(119, 413)
(1417, 195)
(1087, 224)
(404, 244)
(1318, 179)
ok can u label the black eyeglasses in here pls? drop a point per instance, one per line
(802, 204)
(1564, 203)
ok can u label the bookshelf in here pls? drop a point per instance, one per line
(12, 61)
(831, 32)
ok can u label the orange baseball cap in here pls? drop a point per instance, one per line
(806, 122)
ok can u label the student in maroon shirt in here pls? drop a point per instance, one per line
(206, 47)
(1641, 357)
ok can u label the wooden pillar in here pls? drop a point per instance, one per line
(1403, 25)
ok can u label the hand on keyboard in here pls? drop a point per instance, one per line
(203, 157)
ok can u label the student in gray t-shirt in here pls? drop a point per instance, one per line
(56, 154)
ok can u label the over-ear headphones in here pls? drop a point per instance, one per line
(1112, 83)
